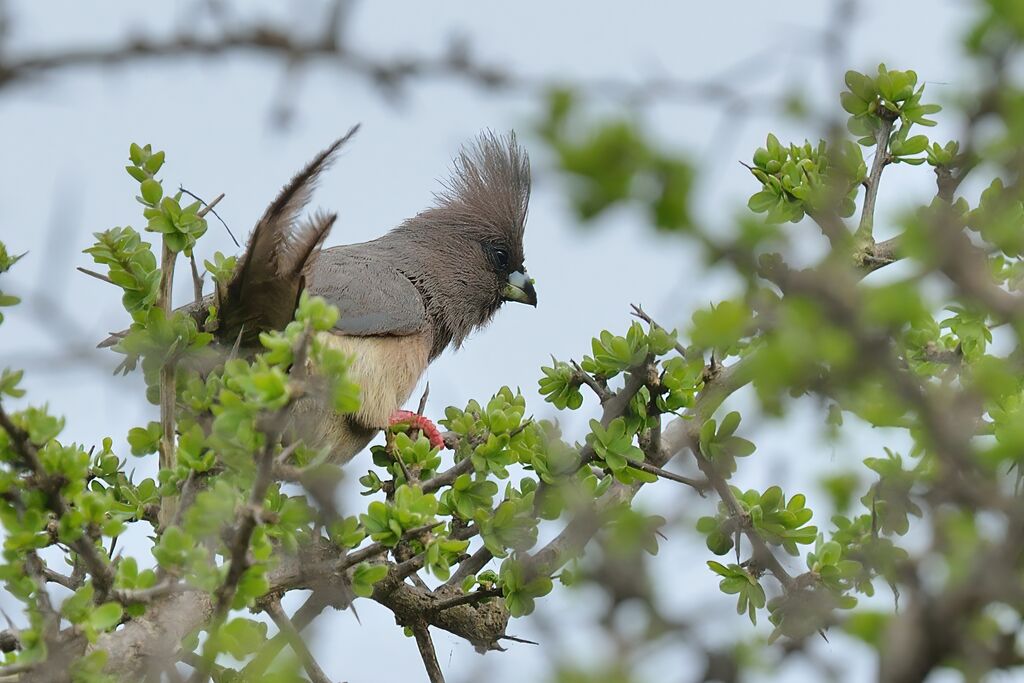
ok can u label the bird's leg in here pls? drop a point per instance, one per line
(415, 421)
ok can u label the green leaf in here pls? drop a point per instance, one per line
(365, 575)
(106, 616)
(151, 191)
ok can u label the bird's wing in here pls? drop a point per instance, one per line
(374, 298)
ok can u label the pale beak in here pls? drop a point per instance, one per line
(520, 288)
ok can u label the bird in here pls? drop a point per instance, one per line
(404, 298)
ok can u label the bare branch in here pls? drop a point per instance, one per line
(426, 647)
(699, 485)
(316, 674)
(467, 599)
(580, 376)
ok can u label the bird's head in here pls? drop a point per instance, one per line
(475, 236)
(485, 204)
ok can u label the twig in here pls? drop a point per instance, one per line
(387, 73)
(465, 599)
(249, 518)
(376, 548)
(763, 555)
(447, 477)
(186, 492)
(617, 405)
(879, 255)
(71, 583)
(195, 661)
(12, 670)
(469, 566)
(581, 376)
(303, 617)
(426, 646)
(168, 388)
(209, 207)
(197, 281)
(832, 226)
(92, 273)
(291, 633)
(393, 452)
(864, 236)
(700, 485)
(640, 313)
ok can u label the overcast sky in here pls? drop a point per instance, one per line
(64, 141)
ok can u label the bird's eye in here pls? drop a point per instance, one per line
(500, 257)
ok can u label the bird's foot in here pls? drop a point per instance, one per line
(412, 421)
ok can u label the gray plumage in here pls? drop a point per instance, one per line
(404, 297)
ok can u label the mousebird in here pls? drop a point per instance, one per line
(404, 297)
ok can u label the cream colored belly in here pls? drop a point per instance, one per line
(386, 370)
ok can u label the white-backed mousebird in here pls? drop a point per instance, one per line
(404, 297)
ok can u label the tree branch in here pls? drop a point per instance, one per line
(426, 647)
(50, 485)
(864, 236)
(291, 633)
(168, 383)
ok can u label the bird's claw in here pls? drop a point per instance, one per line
(411, 420)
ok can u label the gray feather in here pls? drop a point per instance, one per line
(373, 297)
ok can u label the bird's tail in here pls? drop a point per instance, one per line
(264, 290)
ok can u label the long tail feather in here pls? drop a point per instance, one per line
(269, 277)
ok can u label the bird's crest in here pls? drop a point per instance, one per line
(489, 186)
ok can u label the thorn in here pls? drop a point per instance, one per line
(93, 273)
(517, 640)
(209, 207)
(237, 345)
(423, 400)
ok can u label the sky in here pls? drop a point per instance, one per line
(64, 141)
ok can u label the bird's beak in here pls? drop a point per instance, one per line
(520, 288)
